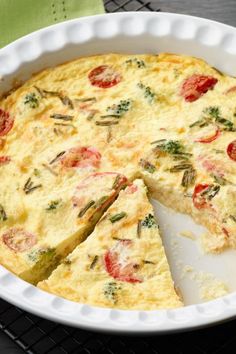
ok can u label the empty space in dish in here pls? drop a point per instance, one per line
(190, 266)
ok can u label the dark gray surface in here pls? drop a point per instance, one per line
(219, 10)
(7, 346)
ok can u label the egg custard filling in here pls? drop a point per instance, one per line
(122, 263)
(73, 136)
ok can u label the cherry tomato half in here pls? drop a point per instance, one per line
(117, 269)
(196, 85)
(231, 150)
(4, 160)
(104, 76)
(19, 240)
(199, 201)
(6, 122)
(81, 157)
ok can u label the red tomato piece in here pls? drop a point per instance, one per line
(210, 138)
(199, 201)
(196, 85)
(132, 188)
(104, 76)
(81, 157)
(6, 122)
(19, 240)
(4, 160)
(231, 150)
(225, 231)
(117, 265)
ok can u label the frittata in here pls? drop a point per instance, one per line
(122, 263)
(72, 136)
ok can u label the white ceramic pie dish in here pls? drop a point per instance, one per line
(130, 32)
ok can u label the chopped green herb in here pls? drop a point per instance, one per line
(220, 180)
(180, 167)
(32, 100)
(67, 261)
(218, 151)
(40, 91)
(109, 134)
(36, 172)
(116, 182)
(147, 166)
(209, 115)
(3, 215)
(65, 125)
(139, 228)
(158, 141)
(110, 291)
(61, 116)
(53, 205)
(119, 109)
(66, 101)
(94, 262)
(210, 191)
(35, 255)
(233, 217)
(212, 111)
(148, 262)
(218, 71)
(200, 123)
(45, 93)
(149, 221)
(86, 208)
(29, 186)
(189, 177)
(117, 217)
(89, 99)
(182, 156)
(148, 93)
(91, 115)
(107, 123)
(119, 239)
(212, 115)
(101, 201)
(57, 157)
(176, 73)
(110, 116)
(138, 62)
(172, 147)
(228, 125)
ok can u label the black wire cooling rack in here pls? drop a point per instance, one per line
(38, 336)
(131, 5)
(35, 335)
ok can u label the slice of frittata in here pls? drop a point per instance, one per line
(37, 231)
(122, 264)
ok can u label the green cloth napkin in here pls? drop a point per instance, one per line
(20, 17)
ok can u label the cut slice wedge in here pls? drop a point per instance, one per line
(122, 264)
(35, 240)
